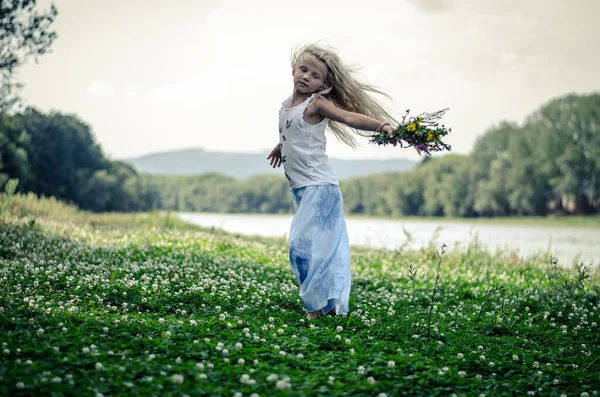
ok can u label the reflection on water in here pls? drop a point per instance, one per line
(568, 243)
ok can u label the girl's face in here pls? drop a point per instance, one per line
(309, 75)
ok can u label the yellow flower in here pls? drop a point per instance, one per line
(411, 127)
(430, 137)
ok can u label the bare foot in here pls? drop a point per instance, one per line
(312, 315)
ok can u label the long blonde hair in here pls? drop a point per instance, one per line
(344, 90)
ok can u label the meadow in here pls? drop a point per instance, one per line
(122, 304)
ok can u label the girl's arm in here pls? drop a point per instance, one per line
(355, 120)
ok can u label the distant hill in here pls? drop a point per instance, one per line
(243, 165)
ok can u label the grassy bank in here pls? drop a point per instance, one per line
(145, 305)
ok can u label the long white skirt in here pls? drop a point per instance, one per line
(319, 248)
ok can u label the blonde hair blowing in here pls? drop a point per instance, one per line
(344, 90)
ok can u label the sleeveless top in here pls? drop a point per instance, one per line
(303, 147)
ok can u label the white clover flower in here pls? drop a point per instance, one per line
(20, 385)
(391, 364)
(241, 361)
(177, 379)
(99, 366)
(482, 357)
(515, 357)
(300, 355)
(178, 360)
(200, 366)
(57, 379)
(462, 374)
(238, 345)
(371, 380)
(478, 377)
(479, 347)
(339, 329)
(85, 350)
(331, 380)
(282, 384)
(272, 378)
(161, 320)
(536, 364)
(491, 364)
(348, 341)
(202, 376)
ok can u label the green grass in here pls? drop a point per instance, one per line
(141, 305)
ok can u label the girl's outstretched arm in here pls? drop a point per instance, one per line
(355, 120)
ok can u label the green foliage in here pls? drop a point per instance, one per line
(24, 32)
(56, 155)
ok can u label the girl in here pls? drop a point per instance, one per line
(325, 94)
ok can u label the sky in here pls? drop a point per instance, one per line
(158, 75)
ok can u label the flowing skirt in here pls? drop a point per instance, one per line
(319, 248)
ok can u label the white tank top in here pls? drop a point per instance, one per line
(303, 147)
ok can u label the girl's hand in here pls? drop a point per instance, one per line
(390, 131)
(275, 156)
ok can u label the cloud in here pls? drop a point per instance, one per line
(433, 6)
(101, 88)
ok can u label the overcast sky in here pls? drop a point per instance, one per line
(156, 75)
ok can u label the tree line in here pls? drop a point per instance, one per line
(56, 155)
(548, 165)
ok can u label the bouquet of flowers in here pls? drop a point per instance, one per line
(422, 132)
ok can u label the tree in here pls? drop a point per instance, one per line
(567, 150)
(24, 32)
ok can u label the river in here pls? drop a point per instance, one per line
(567, 243)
